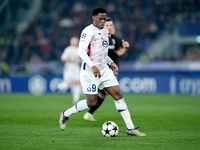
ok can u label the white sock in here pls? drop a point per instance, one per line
(76, 91)
(122, 108)
(80, 106)
(62, 86)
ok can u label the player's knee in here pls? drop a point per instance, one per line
(77, 82)
(92, 104)
(118, 96)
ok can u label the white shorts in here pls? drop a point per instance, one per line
(71, 76)
(90, 84)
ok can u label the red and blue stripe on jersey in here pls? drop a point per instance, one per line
(89, 51)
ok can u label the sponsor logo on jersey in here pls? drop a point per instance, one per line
(105, 44)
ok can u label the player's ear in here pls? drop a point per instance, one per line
(93, 18)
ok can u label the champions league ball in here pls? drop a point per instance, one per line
(110, 129)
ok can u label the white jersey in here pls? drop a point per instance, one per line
(94, 41)
(71, 52)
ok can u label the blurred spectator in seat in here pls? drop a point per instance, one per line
(45, 47)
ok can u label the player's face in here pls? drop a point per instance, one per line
(109, 26)
(74, 41)
(99, 20)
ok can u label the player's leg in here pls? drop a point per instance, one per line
(88, 115)
(101, 96)
(63, 86)
(76, 91)
(82, 105)
(90, 89)
(121, 106)
(78, 107)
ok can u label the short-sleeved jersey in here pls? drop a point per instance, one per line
(114, 45)
(95, 42)
(71, 52)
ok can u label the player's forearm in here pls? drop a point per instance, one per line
(83, 54)
(122, 51)
(69, 60)
(109, 60)
(66, 60)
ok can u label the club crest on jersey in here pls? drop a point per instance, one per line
(105, 44)
(113, 41)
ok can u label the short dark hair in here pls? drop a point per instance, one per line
(108, 19)
(98, 10)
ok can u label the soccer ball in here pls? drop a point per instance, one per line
(110, 129)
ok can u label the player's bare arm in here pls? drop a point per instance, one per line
(96, 72)
(125, 47)
(70, 60)
(115, 68)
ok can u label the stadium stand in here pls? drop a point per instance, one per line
(37, 31)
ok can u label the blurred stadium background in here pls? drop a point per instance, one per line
(164, 37)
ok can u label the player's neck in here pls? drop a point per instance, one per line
(96, 26)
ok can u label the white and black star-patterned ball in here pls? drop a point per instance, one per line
(110, 129)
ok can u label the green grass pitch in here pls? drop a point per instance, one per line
(31, 122)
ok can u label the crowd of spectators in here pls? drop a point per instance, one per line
(137, 21)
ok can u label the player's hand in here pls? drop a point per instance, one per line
(125, 44)
(96, 72)
(75, 60)
(70, 60)
(115, 68)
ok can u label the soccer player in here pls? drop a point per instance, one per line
(117, 47)
(95, 73)
(71, 70)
